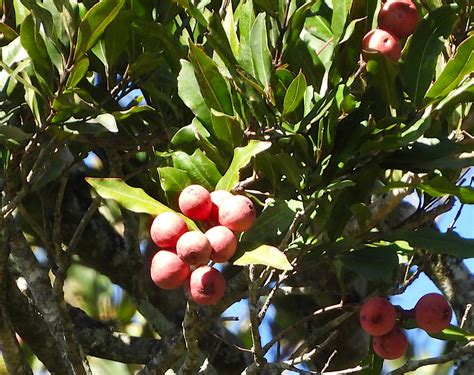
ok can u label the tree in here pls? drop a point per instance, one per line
(109, 109)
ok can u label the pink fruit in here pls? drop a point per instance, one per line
(206, 285)
(237, 213)
(168, 271)
(377, 316)
(195, 202)
(167, 228)
(217, 198)
(433, 313)
(382, 41)
(223, 243)
(399, 17)
(194, 248)
(393, 345)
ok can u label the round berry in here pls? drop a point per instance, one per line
(206, 285)
(237, 213)
(195, 202)
(377, 316)
(166, 228)
(194, 248)
(393, 345)
(382, 41)
(168, 271)
(433, 313)
(223, 243)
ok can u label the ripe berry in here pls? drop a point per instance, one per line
(195, 202)
(433, 313)
(399, 17)
(167, 270)
(237, 213)
(382, 41)
(206, 285)
(217, 198)
(393, 345)
(377, 316)
(166, 229)
(223, 243)
(194, 248)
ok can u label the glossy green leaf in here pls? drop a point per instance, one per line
(94, 23)
(242, 157)
(246, 19)
(440, 186)
(173, 181)
(34, 44)
(78, 72)
(265, 255)
(261, 56)
(193, 11)
(383, 72)
(435, 242)
(454, 333)
(294, 95)
(11, 136)
(131, 198)
(199, 167)
(425, 45)
(461, 65)
(190, 94)
(297, 20)
(107, 121)
(8, 33)
(341, 9)
(463, 94)
(217, 37)
(213, 85)
(227, 130)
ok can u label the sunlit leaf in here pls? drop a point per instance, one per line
(265, 255)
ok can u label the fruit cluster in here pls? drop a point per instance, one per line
(378, 317)
(397, 19)
(183, 254)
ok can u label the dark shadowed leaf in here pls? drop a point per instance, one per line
(424, 47)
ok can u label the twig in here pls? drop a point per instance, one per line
(191, 362)
(254, 320)
(412, 365)
(466, 316)
(328, 362)
(316, 313)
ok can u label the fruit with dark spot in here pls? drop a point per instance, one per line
(399, 17)
(223, 243)
(382, 41)
(194, 248)
(166, 229)
(377, 316)
(195, 202)
(206, 285)
(393, 345)
(237, 213)
(167, 270)
(433, 313)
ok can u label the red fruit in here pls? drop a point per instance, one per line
(393, 345)
(195, 202)
(167, 228)
(223, 243)
(383, 42)
(377, 316)
(168, 271)
(217, 198)
(399, 17)
(433, 313)
(194, 248)
(237, 213)
(206, 285)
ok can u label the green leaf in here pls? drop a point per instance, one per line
(94, 23)
(78, 72)
(265, 255)
(273, 223)
(463, 94)
(455, 71)
(227, 130)
(377, 264)
(107, 121)
(440, 186)
(421, 55)
(383, 72)
(133, 199)
(339, 16)
(435, 242)
(34, 44)
(294, 95)
(246, 19)
(217, 38)
(193, 11)
(297, 20)
(11, 136)
(116, 36)
(453, 333)
(8, 33)
(199, 167)
(173, 181)
(261, 56)
(242, 157)
(190, 94)
(213, 85)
